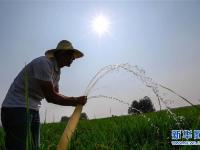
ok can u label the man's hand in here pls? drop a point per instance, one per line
(81, 100)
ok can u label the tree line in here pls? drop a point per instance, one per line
(144, 105)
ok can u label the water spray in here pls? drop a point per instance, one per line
(137, 72)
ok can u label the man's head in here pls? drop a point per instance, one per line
(64, 58)
(64, 53)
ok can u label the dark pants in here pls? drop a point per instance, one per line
(19, 126)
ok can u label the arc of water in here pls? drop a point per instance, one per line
(143, 80)
(87, 88)
(107, 69)
(123, 102)
(95, 81)
(176, 94)
(98, 76)
(109, 97)
(139, 73)
(76, 114)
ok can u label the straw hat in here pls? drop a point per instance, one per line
(64, 45)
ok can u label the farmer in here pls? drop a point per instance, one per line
(39, 79)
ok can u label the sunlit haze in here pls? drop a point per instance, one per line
(159, 37)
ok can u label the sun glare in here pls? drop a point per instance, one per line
(100, 24)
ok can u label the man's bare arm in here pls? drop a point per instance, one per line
(54, 97)
(56, 88)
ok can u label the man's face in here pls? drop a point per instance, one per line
(65, 58)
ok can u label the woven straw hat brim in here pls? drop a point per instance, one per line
(77, 53)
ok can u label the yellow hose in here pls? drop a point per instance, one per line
(69, 130)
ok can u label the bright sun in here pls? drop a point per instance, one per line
(100, 24)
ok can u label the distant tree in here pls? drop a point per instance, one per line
(144, 105)
(84, 116)
(133, 107)
(64, 119)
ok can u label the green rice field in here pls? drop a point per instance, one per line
(133, 132)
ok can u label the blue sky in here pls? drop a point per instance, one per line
(162, 37)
